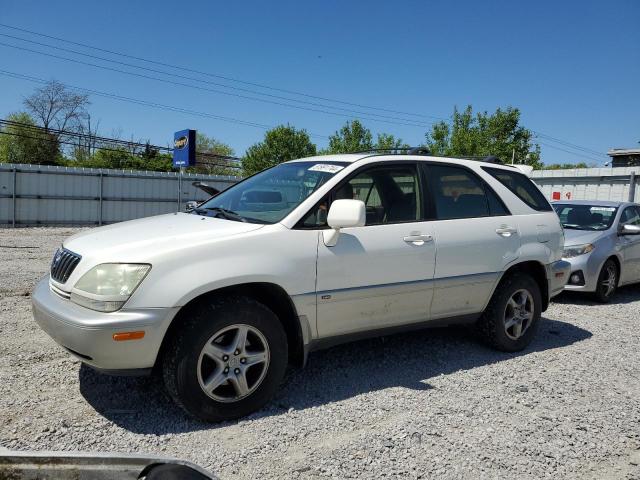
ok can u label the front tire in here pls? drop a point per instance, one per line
(510, 321)
(227, 359)
(607, 282)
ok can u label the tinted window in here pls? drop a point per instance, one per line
(522, 187)
(390, 194)
(496, 207)
(458, 193)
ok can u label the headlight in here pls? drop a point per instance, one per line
(576, 250)
(108, 286)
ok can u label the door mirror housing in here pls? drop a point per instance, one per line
(191, 205)
(629, 230)
(344, 214)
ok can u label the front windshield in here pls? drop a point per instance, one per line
(585, 217)
(272, 194)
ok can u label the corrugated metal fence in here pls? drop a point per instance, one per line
(45, 195)
(620, 183)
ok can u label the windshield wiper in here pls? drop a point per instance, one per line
(228, 214)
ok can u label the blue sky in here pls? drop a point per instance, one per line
(572, 67)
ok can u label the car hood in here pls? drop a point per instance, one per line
(136, 240)
(580, 237)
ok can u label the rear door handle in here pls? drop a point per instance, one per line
(418, 239)
(505, 231)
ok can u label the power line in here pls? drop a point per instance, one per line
(401, 121)
(185, 77)
(567, 144)
(196, 87)
(159, 106)
(582, 155)
(258, 85)
(230, 79)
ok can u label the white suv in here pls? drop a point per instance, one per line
(301, 256)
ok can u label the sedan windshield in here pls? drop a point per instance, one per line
(585, 217)
(272, 194)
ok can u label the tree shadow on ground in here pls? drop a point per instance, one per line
(140, 405)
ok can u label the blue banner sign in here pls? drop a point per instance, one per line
(184, 148)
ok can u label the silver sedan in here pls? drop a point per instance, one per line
(602, 243)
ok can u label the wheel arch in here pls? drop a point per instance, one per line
(271, 295)
(537, 271)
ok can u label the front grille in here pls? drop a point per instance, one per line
(64, 261)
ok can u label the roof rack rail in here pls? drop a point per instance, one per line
(425, 151)
(397, 151)
(482, 158)
(419, 151)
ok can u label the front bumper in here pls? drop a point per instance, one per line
(88, 335)
(557, 276)
(590, 265)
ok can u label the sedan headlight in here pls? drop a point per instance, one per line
(576, 250)
(106, 287)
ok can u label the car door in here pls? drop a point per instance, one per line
(476, 238)
(378, 275)
(630, 246)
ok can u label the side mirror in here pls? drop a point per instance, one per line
(629, 230)
(190, 205)
(344, 214)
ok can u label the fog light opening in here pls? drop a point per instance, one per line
(576, 278)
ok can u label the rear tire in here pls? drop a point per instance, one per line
(226, 360)
(510, 321)
(607, 282)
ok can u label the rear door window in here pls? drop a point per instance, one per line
(522, 187)
(459, 193)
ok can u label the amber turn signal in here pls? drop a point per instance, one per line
(119, 337)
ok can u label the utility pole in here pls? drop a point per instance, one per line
(513, 155)
(180, 188)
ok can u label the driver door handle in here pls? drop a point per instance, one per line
(418, 239)
(506, 231)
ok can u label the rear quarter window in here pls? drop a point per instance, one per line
(522, 187)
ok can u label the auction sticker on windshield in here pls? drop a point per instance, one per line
(325, 167)
(602, 209)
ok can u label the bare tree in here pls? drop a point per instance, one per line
(55, 107)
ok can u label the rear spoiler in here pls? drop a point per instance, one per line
(526, 169)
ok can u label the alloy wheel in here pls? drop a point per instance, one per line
(609, 280)
(233, 363)
(518, 314)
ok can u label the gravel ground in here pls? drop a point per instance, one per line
(427, 404)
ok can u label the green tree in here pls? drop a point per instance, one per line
(387, 141)
(212, 165)
(121, 158)
(280, 144)
(25, 143)
(208, 144)
(352, 137)
(565, 166)
(499, 134)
